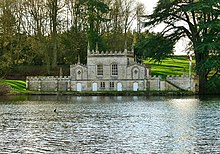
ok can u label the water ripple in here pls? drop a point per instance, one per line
(117, 125)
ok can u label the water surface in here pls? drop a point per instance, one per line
(109, 125)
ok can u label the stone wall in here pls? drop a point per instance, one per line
(51, 84)
(173, 83)
(153, 83)
(48, 83)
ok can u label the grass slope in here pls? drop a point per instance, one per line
(18, 86)
(171, 66)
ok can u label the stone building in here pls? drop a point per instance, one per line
(109, 71)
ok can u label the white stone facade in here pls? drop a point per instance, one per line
(115, 71)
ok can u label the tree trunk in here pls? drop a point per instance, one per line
(54, 13)
(203, 83)
(201, 57)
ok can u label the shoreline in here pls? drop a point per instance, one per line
(116, 93)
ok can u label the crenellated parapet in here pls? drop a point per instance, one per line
(77, 64)
(47, 78)
(48, 83)
(154, 77)
(110, 53)
(178, 77)
(170, 77)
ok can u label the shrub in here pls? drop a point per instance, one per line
(4, 89)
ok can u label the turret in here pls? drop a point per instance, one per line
(88, 49)
(126, 50)
(97, 47)
(78, 59)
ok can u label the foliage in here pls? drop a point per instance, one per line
(4, 89)
(116, 41)
(7, 42)
(56, 32)
(94, 13)
(154, 46)
(199, 21)
(73, 44)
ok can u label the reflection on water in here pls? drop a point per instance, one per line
(109, 125)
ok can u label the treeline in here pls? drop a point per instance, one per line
(56, 32)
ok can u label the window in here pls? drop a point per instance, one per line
(99, 69)
(112, 85)
(102, 85)
(114, 69)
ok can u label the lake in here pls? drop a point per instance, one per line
(103, 124)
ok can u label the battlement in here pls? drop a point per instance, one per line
(110, 53)
(170, 77)
(154, 77)
(83, 65)
(177, 77)
(47, 78)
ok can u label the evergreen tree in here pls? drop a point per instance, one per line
(199, 21)
(154, 46)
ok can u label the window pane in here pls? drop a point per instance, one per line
(112, 85)
(102, 85)
(114, 69)
(99, 69)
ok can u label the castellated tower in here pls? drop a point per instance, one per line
(111, 70)
(99, 61)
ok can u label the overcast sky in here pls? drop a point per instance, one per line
(149, 6)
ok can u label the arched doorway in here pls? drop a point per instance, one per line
(79, 87)
(135, 86)
(94, 86)
(119, 86)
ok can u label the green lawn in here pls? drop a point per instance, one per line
(18, 86)
(171, 66)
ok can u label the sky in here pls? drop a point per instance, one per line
(149, 5)
(181, 45)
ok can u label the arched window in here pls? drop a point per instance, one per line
(114, 69)
(99, 69)
(79, 74)
(135, 73)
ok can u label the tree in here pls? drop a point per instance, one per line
(34, 24)
(199, 21)
(7, 36)
(53, 8)
(51, 32)
(74, 45)
(155, 47)
(94, 12)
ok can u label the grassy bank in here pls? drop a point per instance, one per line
(18, 86)
(176, 65)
